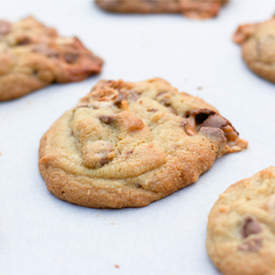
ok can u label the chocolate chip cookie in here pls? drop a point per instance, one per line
(241, 236)
(129, 144)
(190, 8)
(33, 56)
(258, 47)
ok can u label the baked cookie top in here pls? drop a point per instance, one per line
(190, 8)
(133, 143)
(241, 236)
(33, 56)
(258, 47)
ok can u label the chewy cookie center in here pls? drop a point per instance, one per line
(120, 125)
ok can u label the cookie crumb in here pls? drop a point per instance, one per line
(117, 266)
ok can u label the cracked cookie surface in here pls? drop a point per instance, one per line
(258, 47)
(241, 236)
(33, 56)
(129, 144)
(190, 8)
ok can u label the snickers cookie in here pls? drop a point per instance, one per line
(33, 56)
(129, 144)
(258, 47)
(241, 236)
(189, 8)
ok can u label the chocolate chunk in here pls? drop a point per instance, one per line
(104, 160)
(202, 114)
(98, 153)
(250, 227)
(162, 93)
(35, 72)
(71, 58)
(200, 118)
(253, 245)
(152, 110)
(165, 98)
(138, 185)
(217, 121)
(5, 27)
(23, 40)
(43, 49)
(128, 153)
(166, 102)
(215, 134)
(214, 121)
(106, 119)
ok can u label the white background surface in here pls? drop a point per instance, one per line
(40, 234)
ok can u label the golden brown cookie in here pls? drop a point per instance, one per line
(33, 56)
(241, 227)
(258, 47)
(129, 144)
(190, 8)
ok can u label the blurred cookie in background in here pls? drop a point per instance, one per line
(191, 8)
(258, 47)
(33, 56)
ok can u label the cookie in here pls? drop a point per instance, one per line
(241, 235)
(33, 56)
(190, 8)
(258, 47)
(129, 144)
